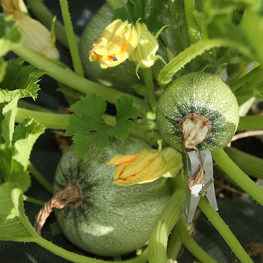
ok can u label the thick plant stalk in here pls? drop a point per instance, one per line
(71, 39)
(254, 122)
(250, 164)
(190, 243)
(163, 226)
(224, 231)
(74, 81)
(223, 160)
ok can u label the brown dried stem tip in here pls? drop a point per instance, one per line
(194, 130)
(71, 196)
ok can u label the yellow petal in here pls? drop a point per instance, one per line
(119, 170)
(122, 158)
(135, 167)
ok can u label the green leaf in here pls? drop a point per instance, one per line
(13, 222)
(2, 69)
(11, 170)
(19, 81)
(25, 136)
(88, 126)
(8, 120)
(125, 110)
(152, 21)
(10, 37)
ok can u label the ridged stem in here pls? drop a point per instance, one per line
(42, 13)
(191, 244)
(224, 161)
(71, 38)
(174, 245)
(148, 81)
(248, 163)
(74, 81)
(163, 226)
(224, 230)
(255, 73)
(190, 53)
(254, 122)
(193, 30)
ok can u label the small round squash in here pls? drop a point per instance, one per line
(112, 219)
(200, 94)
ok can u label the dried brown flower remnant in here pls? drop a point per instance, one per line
(71, 196)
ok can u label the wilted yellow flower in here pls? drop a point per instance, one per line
(35, 35)
(146, 166)
(116, 43)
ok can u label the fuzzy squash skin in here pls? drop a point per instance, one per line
(120, 77)
(113, 219)
(204, 94)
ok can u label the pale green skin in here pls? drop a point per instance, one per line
(112, 220)
(204, 94)
(121, 77)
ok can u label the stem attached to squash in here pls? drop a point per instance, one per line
(223, 160)
(74, 81)
(190, 243)
(163, 226)
(223, 229)
(39, 177)
(71, 39)
(250, 123)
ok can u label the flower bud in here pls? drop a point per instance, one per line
(116, 43)
(35, 35)
(146, 166)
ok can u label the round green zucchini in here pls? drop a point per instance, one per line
(206, 95)
(112, 219)
(121, 77)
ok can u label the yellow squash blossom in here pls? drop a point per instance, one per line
(144, 55)
(146, 166)
(116, 43)
(35, 35)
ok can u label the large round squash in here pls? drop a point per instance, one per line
(112, 219)
(203, 94)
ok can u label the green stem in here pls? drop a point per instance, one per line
(82, 259)
(43, 14)
(39, 177)
(163, 226)
(174, 245)
(61, 121)
(178, 39)
(250, 164)
(250, 123)
(193, 30)
(32, 106)
(115, 4)
(71, 38)
(255, 73)
(224, 230)
(148, 81)
(190, 53)
(222, 159)
(74, 81)
(33, 201)
(49, 120)
(190, 243)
